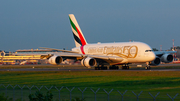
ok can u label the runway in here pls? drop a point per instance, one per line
(55, 69)
(47, 69)
(162, 67)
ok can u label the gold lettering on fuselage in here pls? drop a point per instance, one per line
(124, 51)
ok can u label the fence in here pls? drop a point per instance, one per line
(88, 93)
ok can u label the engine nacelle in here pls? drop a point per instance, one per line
(55, 60)
(167, 58)
(88, 62)
(156, 61)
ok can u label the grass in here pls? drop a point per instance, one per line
(137, 81)
(126, 80)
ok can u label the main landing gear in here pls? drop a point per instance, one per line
(114, 67)
(101, 67)
(125, 66)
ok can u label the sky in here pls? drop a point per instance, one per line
(27, 24)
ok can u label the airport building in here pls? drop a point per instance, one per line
(8, 58)
(28, 56)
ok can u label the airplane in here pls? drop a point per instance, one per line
(107, 55)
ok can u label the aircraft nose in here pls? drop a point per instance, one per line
(152, 56)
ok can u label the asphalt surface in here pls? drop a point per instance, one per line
(161, 67)
(47, 69)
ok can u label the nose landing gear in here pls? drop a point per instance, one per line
(147, 66)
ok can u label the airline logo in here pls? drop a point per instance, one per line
(78, 36)
(79, 39)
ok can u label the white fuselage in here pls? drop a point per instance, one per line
(131, 52)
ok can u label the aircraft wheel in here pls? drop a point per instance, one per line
(97, 68)
(125, 67)
(104, 68)
(101, 68)
(147, 67)
(113, 67)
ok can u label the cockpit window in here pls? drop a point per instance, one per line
(148, 50)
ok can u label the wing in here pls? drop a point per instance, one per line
(73, 54)
(163, 56)
(50, 54)
(58, 57)
(112, 59)
(59, 50)
(164, 52)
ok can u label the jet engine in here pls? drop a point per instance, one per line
(88, 62)
(55, 60)
(167, 58)
(156, 61)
